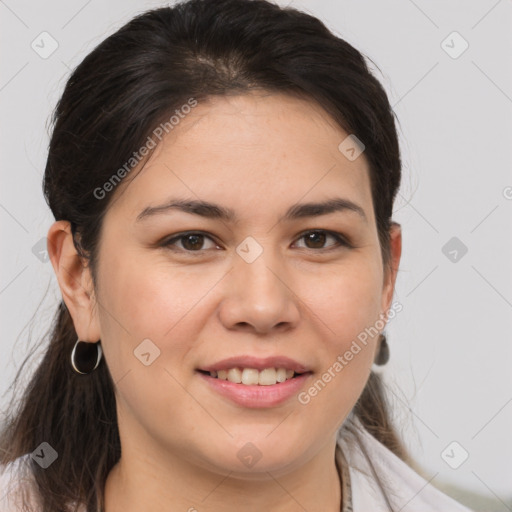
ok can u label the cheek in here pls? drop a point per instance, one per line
(148, 298)
(347, 353)
(347, 301)
(346, 309)
(148, 301)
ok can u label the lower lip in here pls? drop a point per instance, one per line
(257, 396)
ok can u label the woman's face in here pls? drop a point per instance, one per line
(250, 288)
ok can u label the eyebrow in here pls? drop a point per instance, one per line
(214, 211)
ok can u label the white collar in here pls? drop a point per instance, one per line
(368, 464)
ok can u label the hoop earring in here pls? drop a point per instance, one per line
(383, 354)
(86, 356)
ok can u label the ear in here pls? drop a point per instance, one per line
(75, 281)
(390, 273)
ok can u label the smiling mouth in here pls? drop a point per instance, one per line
(253, 377)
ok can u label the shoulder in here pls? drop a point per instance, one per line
(17, 484)
(405, 489)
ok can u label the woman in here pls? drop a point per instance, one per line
(222, 176)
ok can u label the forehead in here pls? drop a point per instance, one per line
(252, 152)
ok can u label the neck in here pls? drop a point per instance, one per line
(145, 480)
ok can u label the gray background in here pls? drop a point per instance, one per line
(449, 373)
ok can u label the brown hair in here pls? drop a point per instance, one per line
(129, 84)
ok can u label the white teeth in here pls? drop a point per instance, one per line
(252, 377)
(267, 377)
(249, 376)
(281, 375)
(235, 375)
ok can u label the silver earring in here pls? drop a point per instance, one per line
(86, 356)
(383, 354)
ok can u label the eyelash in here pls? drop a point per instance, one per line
(341, 240)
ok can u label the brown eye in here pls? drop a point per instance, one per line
(190, 242)
(193, 242)
(317, 238)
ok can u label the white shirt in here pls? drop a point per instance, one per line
(404, 488)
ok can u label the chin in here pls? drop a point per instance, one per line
(248, 459)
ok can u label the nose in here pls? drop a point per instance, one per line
(259, 297)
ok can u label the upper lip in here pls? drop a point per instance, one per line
(257, 363)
